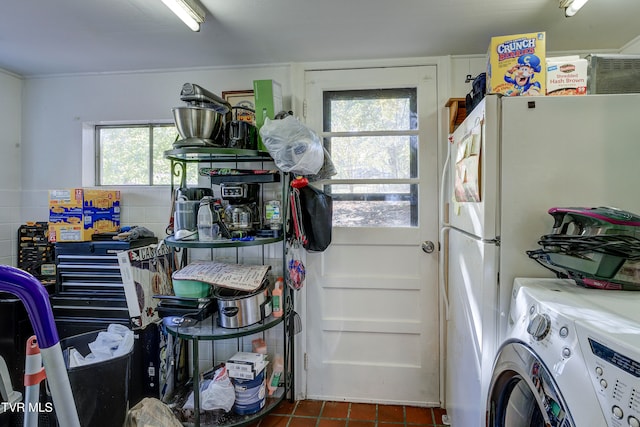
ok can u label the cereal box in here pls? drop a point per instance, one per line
(566, 75)
(516, 65)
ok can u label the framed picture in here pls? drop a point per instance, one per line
(242, 98)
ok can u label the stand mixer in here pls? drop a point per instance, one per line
(202, 121)
(241, 215)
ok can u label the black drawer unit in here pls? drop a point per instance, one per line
(90, 295)
(89, 285)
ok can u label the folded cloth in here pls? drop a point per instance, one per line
(135, 233)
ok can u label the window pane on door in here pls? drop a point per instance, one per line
(372, 157)
(374, 205)
(372, 110)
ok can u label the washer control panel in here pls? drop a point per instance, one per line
(615, 374)
(590, 342)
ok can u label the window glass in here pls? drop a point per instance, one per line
(372, 157)
(134, 155)
(371, 110)
(372, 138)
(124, 154)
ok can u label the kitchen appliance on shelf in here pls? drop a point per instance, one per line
(201, 123)
(510, 161)
(237, 309)
(185, 211)
(241, 214)
(241, 133)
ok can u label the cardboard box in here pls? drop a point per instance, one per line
(268, 101)
(146, 272)
(76, 214)
(516, 65)
(566, 75)
(246, 358)
(244, 374)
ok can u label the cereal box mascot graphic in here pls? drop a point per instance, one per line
(521, 76)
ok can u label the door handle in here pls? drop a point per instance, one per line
(428, 246)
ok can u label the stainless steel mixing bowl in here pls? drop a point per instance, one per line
(198, 122)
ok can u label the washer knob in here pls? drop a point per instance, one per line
(539, 326)
(633, 422)
(564, 332)
(616, 411)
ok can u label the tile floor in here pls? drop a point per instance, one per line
(315, 413)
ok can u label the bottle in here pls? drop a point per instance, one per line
(278, 367)
(205, 220)
(273, 214)
(276, 298)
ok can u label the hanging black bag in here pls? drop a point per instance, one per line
(316, 214)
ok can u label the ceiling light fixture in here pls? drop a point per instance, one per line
(189, 11)
(571, 7)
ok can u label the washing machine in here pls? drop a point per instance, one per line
(571, 358)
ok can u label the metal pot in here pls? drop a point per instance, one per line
(237, 309)
(202, 126)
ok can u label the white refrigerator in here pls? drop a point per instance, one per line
(511, 160)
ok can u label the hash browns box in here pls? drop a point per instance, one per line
(566, 75)
(516, 65)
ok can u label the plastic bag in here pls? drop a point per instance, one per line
(151, 412)
(215, 394)
(327, 170)
(294, 147)
(115, 342)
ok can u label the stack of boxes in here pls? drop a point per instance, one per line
(76, 214)
(248, 375)
(246, 365)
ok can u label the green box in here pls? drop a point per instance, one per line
(268, 101)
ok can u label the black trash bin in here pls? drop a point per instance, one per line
(100, 390)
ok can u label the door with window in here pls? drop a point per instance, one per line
(372, 296)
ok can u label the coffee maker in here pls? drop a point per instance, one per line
(241, 214)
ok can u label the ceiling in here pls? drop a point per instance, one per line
(45, 37)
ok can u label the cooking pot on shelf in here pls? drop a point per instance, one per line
(237, 309)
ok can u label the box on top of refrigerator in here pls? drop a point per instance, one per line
(516, 65)
(566, 75)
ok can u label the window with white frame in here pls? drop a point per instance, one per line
(134, 155)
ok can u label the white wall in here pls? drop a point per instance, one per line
(10, 123)
(55, 109)
(633, 47)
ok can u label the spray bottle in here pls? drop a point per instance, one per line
(276, 298)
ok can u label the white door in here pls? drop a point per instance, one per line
(372, 296)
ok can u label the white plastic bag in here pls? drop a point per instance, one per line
(115, 342)
(294, 147)
(215, 394)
